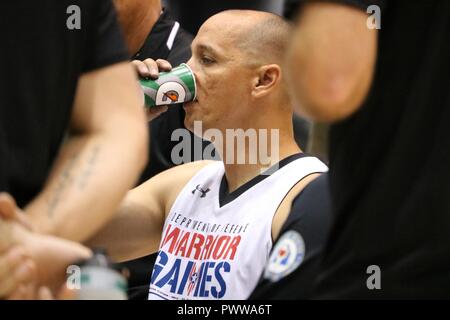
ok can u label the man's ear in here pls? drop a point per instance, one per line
(267, 79)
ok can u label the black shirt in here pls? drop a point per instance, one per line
(41, 60)
(159, 45)
(309, 219)
(389, 164)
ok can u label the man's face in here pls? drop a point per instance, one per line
(222, 77)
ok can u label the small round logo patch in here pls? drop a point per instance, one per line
(287, 255)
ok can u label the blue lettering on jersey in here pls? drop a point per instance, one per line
(193, 280)
(220, 280)
(171, 277)
(159, 265)
(185, 278)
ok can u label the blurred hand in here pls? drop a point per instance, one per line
(17, 268)
(35, 261)
(28, 260)
(17, 273)
(150, 68)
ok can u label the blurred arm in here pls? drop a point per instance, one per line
(331, 60)
(101, 159)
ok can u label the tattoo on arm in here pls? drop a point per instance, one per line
(66, 178)
(87, 172)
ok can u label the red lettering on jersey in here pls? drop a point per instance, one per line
(206, 252)
(172, 236)
(196, 243)
(221, 245)
(182, 244)
(232, 248)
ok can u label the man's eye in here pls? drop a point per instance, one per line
(206, 60)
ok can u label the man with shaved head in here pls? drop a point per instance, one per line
(214, 221)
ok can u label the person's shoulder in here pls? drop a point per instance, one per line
(167, 185)
(312, 206)
(191, 168)
(183, 172)
(171, 182)
(194, 166)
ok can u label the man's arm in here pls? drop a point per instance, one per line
(101, 159)
(331, 60)
(136, 229)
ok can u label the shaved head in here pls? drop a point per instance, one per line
(263, 36)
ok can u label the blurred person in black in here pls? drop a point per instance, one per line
(151, 33)
(70, 119)
(386, 93)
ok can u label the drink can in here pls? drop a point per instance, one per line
(176, 86)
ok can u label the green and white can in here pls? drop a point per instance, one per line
(176, 86)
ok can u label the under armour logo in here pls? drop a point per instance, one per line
(203, 192)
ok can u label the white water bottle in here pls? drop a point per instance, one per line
(100, 280)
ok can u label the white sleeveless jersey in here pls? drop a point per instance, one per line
(208, 251)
